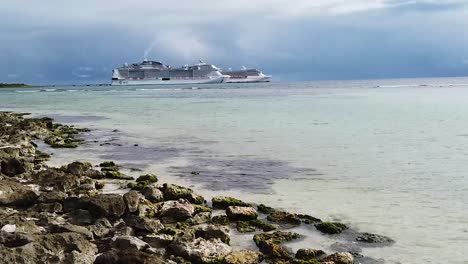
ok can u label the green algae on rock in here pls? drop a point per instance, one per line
(220, 220)
(331, 227)
(223, 202)
(265, 209)
(284, 218)
(252, 225)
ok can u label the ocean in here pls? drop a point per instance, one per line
(384, 156)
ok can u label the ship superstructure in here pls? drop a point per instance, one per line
(245, 75)
(155, 72)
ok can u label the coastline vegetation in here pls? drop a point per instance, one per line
(13, 85)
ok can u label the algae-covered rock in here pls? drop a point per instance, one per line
(244, 257)
(331, 227)
(284, 218)
(241, 213)
(107, 164)
(265, 209)
(148, 178)
(373, 238)
(252, 225)
(308, 219)
(270, 243)
(175, 192)
(223, 202)
(340, 258)
(116, 175)
(220, 220)
(309, 254)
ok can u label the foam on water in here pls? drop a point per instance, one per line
(389, 160)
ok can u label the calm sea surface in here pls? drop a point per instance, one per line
(385, 156)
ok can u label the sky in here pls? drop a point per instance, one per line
(76, 42)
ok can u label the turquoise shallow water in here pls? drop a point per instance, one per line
(385, 156)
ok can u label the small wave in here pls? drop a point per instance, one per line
(27, 91)
(72, 90)
(48, 90)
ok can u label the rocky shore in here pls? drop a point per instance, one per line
(60, 215)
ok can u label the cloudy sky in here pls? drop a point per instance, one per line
(56, 41)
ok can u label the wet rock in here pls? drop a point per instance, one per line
(171, 211)
(244, 257)
(111, 206)
(12, 167)
(340, 258)
(265, 209)
(373, 238)
(346, 247)
(116, 175)
(56, 179)
(175, 192)
(200, 250)
(309, 254)
(223, 202)
(15, 193)
(143, 223)
(107, 164)
(281, 217)
(270, 243)
(241, 213)
(152, 194)
(252, 225)
(331, 227)
(148, 178)
(132, 200)
(308, 219)
(220, 220)
(210, 231)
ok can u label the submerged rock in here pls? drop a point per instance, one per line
(242, 213)
(252, 225)
(373, 238)
(265, 209)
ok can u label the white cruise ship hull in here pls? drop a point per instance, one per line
(207, 80)
(249, 79)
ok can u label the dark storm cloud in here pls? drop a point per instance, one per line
(54, 42)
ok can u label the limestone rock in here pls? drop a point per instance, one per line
(242, 213)
(15, 193)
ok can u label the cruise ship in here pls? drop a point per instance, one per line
(245, 75)
(154, 72)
